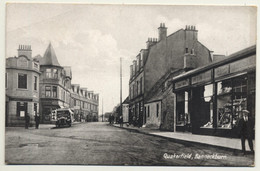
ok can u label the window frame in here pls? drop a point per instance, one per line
(19, 83)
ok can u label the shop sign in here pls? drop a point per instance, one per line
(181, 84)
(221, 71)
(243, 64)
(50, 103)
(205, 76)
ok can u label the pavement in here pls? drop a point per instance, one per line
(221, 142)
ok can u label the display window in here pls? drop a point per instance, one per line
(231, 100)
(207, 105)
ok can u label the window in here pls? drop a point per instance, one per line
(35, 83)
(231, 100)
(35, 108)
(48, 73)
(6, 79)
(54, 91)
(182, 108)
(186, 50)
(48, 91)
(137, 87)
(75, 102)
(55, 73)
(157, 110)
(21, 109)
(148, 112)
(206, 107)
(141, 85)
(22, 81)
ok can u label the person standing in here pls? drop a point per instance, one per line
(246, 130)
(37, 121)
(121, 121)
(27, 121)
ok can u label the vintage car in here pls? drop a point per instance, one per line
(63, 117)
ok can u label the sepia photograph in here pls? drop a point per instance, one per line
(130, 84)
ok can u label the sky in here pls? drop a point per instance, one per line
(92, 38)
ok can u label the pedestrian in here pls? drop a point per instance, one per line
(109, 119)
(121, 121)
(27, 121)
(112, 119)
(37, 121)
(246, 130)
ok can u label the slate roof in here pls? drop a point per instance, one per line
(49, 57)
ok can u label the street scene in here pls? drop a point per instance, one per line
(99, 143)
(130, 85)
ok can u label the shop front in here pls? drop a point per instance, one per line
(210, 99)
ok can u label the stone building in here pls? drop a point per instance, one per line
(179, 52)
(40, 85)
(22, 87)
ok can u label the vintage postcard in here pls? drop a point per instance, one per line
(130, 85)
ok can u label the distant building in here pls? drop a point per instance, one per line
(22, 87)
(84, 103)
(125, 110)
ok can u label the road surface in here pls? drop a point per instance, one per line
(100, 144)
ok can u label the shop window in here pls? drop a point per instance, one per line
(22, 81)
(54, 91)
(48, 91)
(231, 100)
(21, 109)
(207, 106)
(182, 106)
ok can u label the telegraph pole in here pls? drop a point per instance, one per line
(102, 111)
(121, 87)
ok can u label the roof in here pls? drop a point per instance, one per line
(126, 101)
(156, 92)
(231, 58)
(49, 57)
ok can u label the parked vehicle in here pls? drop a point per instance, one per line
(63, 117)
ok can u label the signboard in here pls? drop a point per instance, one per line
(221, 71)
(181, 84)
(243, 64)
(203, 77)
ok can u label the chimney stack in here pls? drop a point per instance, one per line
(162, 31)
(25, 50)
